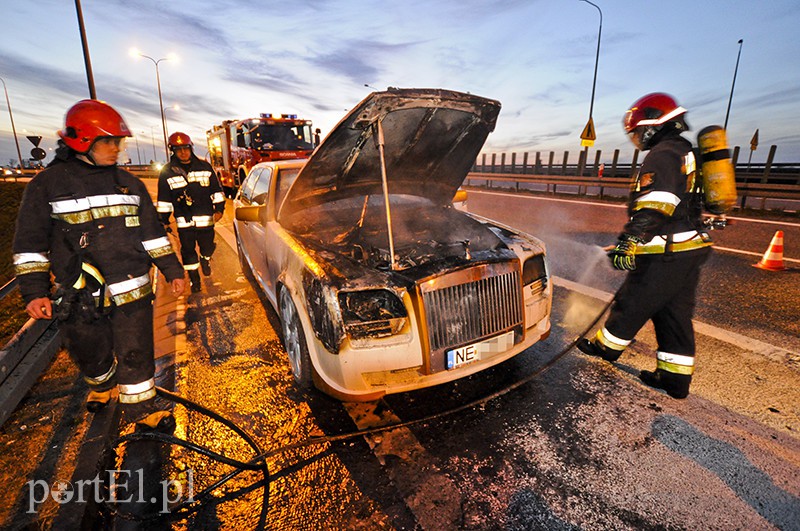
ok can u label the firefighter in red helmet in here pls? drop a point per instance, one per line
(662, 246)
(93, 226)
(189, 190)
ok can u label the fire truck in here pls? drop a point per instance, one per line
(235, 146)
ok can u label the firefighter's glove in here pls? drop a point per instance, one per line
(623, 256)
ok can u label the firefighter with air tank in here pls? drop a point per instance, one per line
(189, 190)
(664, 243)
(92, 225)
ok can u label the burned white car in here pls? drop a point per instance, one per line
(381, 285)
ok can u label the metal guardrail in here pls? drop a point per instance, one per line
(546, 163)
(600, 185)
(23, 359)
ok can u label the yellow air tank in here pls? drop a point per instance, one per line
(719, 178)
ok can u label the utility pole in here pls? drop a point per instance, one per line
(588, 135)
(86, 59)
(733, 84)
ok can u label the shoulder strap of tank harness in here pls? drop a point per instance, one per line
(696, 195)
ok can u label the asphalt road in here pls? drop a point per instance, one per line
(582, 445)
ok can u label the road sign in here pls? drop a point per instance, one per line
(38, 153)
(754, 141)
(35, 140)
(588, 136)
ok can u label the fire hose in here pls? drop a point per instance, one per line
(259, 461)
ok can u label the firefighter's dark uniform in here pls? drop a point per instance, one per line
(192, 193)
(96, 230)
(666, 218)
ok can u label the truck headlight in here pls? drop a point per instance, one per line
(372, 313)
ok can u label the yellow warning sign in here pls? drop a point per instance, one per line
(588, 131)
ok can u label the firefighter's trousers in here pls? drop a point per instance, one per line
(662, 288)
(192, 239)
(115, 349)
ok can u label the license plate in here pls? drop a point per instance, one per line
(458, 357)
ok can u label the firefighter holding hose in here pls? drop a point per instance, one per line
(662, 246)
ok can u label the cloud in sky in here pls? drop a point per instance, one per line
(313, 58)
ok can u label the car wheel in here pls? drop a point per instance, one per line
(295, 341)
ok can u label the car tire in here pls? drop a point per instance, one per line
(294, 340)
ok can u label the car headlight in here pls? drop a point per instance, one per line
(372, 313)
(534, 269)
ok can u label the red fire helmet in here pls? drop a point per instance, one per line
(652, 110)
(179, 140)
(88, 120)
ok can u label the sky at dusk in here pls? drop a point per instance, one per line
(313, 58)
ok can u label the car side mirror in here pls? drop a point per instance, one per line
(250, 213)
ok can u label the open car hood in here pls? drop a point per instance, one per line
(431, 139)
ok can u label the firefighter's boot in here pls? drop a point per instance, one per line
(159, 421)
(97, 400)
(194, 279)
(205, 265)
(676, 385)
(148, 416)
(593, 349)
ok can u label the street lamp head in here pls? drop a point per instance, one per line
(136, 54)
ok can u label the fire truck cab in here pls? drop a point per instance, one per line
(235, 146)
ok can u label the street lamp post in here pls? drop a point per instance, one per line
(153, 141)
(175, 107)
(730, 99)
(11, 116)
(138, 153)
(160, 99)
(594, 80)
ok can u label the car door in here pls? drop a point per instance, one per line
(243, 198)
(283, 180)
(251, 233)
(257, 230)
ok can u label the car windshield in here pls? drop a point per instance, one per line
(281, 136)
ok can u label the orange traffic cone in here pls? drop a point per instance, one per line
(773, 257)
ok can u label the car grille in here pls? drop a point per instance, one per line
(460, 312)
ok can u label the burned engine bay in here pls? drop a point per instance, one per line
(423, 232)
